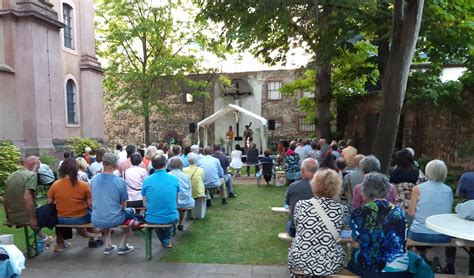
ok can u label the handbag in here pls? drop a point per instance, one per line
(327, 222)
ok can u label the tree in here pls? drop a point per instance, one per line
(406, 21)
(147, 53)
(269, 29)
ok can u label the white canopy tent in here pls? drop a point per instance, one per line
(232, 108)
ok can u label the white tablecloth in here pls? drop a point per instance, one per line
(451, 225)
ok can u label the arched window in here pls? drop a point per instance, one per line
(68, 28)
(70, 101)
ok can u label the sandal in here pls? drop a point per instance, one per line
(64, 247)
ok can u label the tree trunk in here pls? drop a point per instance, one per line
(147, 129)
(406, 25)
(324, 96)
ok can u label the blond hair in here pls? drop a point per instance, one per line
(326, 183)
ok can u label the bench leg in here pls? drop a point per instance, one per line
(471, 261)
(148, 242)
(31, 244)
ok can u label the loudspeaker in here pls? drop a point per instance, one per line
(271, 124)
(192, 128)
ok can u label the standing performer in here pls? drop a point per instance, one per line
(248, 135)
(230, 139)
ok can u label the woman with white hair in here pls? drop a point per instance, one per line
(196, 175)
(431, 198)
(150, 152)
(378, 230)
(185, 198)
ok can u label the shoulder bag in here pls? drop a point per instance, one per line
(327, 222)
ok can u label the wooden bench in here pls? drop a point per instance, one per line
(285, 237)
(280, 209)
(344, 273)
(452, 243)
(147, 234)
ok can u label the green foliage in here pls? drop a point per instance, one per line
(46, 158)
(149, 52)
(78, 144)
(426, 86)
(9, 158)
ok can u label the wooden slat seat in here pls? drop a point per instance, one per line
(344, 273)
(280, 209)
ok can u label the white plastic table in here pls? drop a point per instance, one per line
(451, 225)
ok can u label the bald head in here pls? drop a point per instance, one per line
(309, 166)
(31, 163)
(357, 159)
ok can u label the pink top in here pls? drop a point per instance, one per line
(134, 176)
(358, 198)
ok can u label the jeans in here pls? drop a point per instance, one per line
(449, 252)
(228, 183)
(165, 234)
(75, 220)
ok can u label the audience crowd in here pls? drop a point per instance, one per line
(331, 188)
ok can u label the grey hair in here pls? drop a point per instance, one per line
(150, 151)
(310, 165)
(192, 158)
(195, 149)
(412, 151)
(375, 185)
(175, 163)
(436, 170)
(369, 164)
(110, 159)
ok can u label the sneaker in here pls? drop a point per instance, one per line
(180, 227)
(110, 250)
(64, 247)
(208, 203)
(125, 250)
(224, 201)
(232, 195)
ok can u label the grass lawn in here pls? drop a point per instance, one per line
(244, 231)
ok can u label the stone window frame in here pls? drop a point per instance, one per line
(266, 91)
(77, 107)
(74, 43)
(278, 122)
(307, 127)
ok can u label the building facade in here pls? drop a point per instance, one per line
(50, 78)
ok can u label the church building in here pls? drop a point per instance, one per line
(50, 78)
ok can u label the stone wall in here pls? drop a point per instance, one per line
(435, 132)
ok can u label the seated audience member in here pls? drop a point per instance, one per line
(185, 198)
(300, 150)
(66, 155)
(195, 149)
(87, 155)
(176, 149)
(109, 197)
(45, 174)
(315, 152)
(465, 188)
(379, 229)
(370, 164)
(160, 192)
(292, 164)
(122, 154)
(341, 166)
(142, 149)
(225, 166)
(134, 176)
(341, 145)
(213, 173)
(417, 165)
(349, 153)
(334, 150)
(73, 200)
(149, 154)
(184, 156)
(300, 190)
(323, 147)
(97, 167)
(315, 251)
(431, 198)
(125, 164)
(329, 162)
(196, 175)
(236, 160)
(353, 178)
(82, 169)
(20, 198)
(252, 158)
(267, 160)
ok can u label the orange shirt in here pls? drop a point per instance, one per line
(71, 201)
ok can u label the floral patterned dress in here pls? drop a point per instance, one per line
(380, 228)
